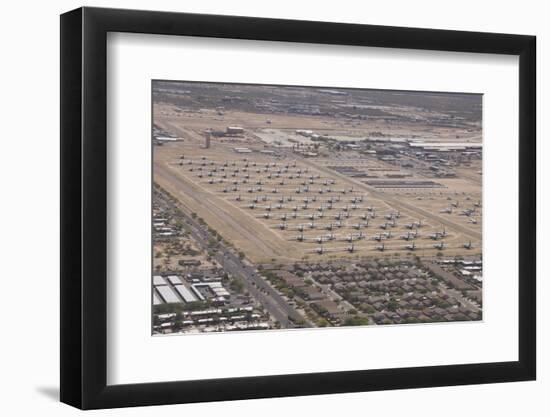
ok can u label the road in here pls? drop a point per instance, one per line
(271, 300)
(452, 280)
(458, 296)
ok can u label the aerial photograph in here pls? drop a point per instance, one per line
(298, 207)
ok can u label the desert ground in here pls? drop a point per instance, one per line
(277, 205)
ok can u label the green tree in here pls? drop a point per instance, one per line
(322, 322)
(392, 304)
(237, 285)
(356, 321)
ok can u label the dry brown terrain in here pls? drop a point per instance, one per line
(284, 227)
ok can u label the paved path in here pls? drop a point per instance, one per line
(272, 301)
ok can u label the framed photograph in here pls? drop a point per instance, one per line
(257, 208)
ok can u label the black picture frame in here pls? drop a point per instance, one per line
(84, 207)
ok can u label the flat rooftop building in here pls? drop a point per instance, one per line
(166, 139)
(242, 150)
(185, 293)
(447, 145)
(158, 280)
(167, 294)
(234, 130)
(156, 299)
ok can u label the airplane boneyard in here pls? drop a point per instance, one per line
(352, 209)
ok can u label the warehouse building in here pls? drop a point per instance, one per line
(185, 293)
(234, 130)
(168, 294)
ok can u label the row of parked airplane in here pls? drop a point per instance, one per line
(466, 212)
(298, 190)
(305, 206)
(289, 198)
(412, 247)
(245, 163)
(245, 179)
(409, 236)
(338, 222)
